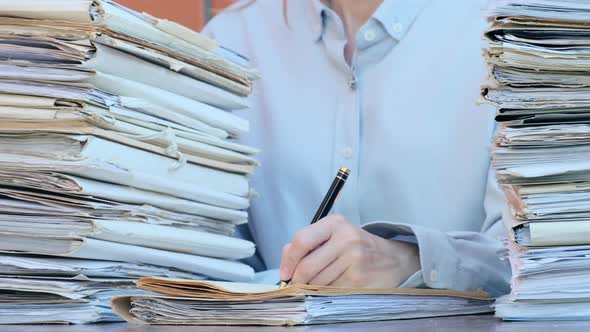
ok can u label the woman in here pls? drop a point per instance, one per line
(387, 89)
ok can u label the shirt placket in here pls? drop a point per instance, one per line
(372, 45)
(347, 140)
(348, 123)
(347, 136)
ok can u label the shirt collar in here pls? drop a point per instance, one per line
(396, 16)
(315, 12)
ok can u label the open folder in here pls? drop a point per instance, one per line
(191, 302)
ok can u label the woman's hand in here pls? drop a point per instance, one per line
(334, 252)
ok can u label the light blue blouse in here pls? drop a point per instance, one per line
(403, 117)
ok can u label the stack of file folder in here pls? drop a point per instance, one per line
(194, 302)
(118, 157)
(539, 59)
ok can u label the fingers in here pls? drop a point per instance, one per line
(353, 278)
(315, 262)
(356, 270)
(284, 254)
(334, 252)
(307, 240)
(331, 273)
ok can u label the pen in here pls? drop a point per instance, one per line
(328, 202)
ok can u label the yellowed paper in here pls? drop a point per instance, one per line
(230, 291)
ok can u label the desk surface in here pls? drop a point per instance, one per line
(482, 323)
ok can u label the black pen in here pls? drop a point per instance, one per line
(328, 202)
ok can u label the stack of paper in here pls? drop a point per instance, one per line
(118, 153)
(539, 58)
(26, 300)
(222, 303)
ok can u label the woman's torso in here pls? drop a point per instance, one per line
(406, 123)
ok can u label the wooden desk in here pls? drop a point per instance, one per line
(448, 324)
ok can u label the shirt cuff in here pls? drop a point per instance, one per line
(415, 281)
(438, 268)
(457, 260)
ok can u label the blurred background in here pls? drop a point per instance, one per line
(191, 13)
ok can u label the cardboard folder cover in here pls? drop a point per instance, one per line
(187, 302)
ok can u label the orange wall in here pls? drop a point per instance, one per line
(219, 5)
(191, 13)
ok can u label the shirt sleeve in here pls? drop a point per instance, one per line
(209, 31)
(256, 262)
(458, 260)
(226, 28)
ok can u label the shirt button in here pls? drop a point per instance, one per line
(352, 82)
(369, 35)
(347, 152)
(398, 27)
(433, 276)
